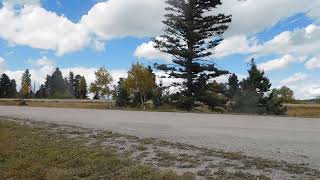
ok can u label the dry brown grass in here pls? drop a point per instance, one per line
(303, 110)
(58, 104)
(294, 110)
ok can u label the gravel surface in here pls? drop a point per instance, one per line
(296, 140)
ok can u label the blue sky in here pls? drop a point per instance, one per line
(82, 35)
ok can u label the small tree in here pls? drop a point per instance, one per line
(284, 93)
(25, 84)
(255, 96)
(121, 94)
(140, 82)
(100, 86)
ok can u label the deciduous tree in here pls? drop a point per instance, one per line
(140, 82)
(25, 84)
(101, 86)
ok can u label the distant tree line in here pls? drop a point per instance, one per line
(55, 87)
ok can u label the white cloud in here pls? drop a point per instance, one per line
(147, 51)
(279, 63)
(252, 16)
(301, 42)
(238, 44)
(294, 78)
(38, 28)
(122, 18)
(313, 63)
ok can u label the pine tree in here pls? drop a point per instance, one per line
(4, 86)
(76, 87)
(13, 89)
(191, 32)
(57, 82)
(83, 88)
(255, 94)
(121, 94)
(233, 85)
(257, 81)
(42, 92)
(70, 84)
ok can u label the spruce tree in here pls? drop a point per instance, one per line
(83, 88)
(57, 82)
(233, 85)
(191, 33)
(4, 86)
(76, 87)
(121, 94)
(13, 89)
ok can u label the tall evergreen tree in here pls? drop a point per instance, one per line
(83, 88)
(76, 87)
(57, 82)
(191, 32)
(233, 85)
(4, 86)
(121, 94)
(70, 84)
(13, 89)
(26, 84)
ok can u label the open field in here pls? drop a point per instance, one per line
(303, 110)
(279, 138)
(294, 110)
(33, 150)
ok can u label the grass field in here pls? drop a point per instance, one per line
(294, 110)
(35, 153)
(303, 110)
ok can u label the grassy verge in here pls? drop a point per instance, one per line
(294, 110)
(35, 153)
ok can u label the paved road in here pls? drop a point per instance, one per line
(291, 139)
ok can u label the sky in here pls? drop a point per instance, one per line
(83, 35)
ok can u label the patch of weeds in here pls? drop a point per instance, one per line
(147, 141)
(233, 155)
(165, 159)
(140, 147)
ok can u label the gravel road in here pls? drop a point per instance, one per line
(295, 140)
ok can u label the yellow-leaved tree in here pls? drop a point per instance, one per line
(140, 81)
